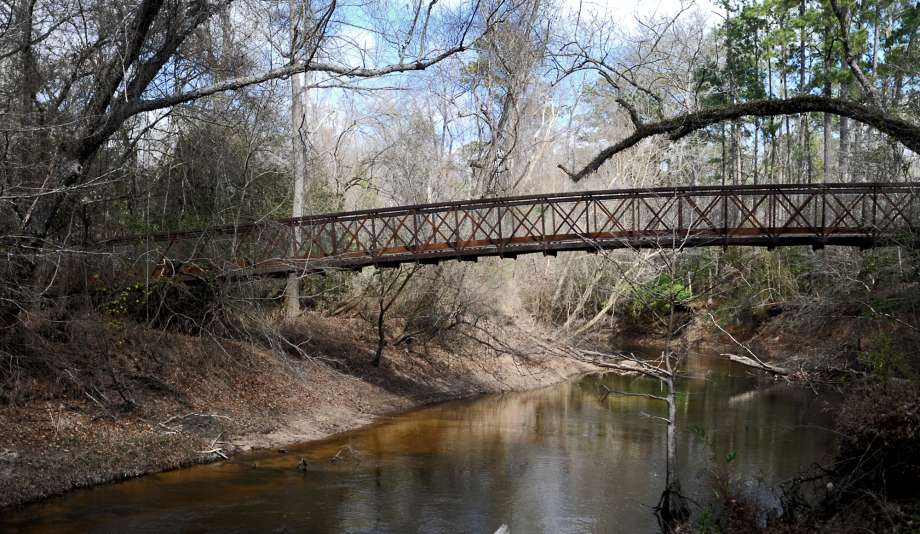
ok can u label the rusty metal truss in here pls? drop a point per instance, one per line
(860, 215)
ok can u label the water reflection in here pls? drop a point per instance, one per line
(551, 460)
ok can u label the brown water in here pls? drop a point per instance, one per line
(551, 460)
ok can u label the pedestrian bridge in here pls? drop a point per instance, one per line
(816, 215)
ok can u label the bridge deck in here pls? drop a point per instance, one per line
(862, 215)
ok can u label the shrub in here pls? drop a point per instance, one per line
(659, 296)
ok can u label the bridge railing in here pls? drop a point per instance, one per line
(769, 215)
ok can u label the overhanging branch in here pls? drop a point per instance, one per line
(287, 71)
(310, 65)
(678, 127)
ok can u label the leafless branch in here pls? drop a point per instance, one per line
(680, 126)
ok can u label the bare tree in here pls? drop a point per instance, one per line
(113, 63)
(672, 508)
(104, 132)
(304, 45)
(388, 289)
(501, 83)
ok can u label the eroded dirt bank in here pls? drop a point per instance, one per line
(170, 400)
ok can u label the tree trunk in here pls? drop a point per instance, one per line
(299, 171)
(724, 157)
(736, 153)
(787, 160)
(828, 125)
(803, 118)
(671, 472)
(772, 126)
(672, 508)
(756, 147)
(828, 92)
(843, 157)
(299, 135)
(381, 335)
(39, 215)
(828, 132)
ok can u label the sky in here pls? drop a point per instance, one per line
(647, 7)
(625, 12)
(642, 8)
(359, 44)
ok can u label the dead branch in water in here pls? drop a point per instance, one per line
(753, 360)
(627, 363)
(744, 360)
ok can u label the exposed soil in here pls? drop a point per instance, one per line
(174, 400)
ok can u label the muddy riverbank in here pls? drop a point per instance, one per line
(175, 400)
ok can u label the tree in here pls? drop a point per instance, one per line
(77, 77)
(304, 45)
(388, 288)
(501, 83)
(658, 297)
(834, 21)
(129, 75)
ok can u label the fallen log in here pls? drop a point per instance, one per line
(757, 364)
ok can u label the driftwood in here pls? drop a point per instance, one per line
(214, 449)
(176, 430)
(218, 451)
(757, 364)
(751, 360)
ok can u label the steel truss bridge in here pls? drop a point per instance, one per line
(857, 215)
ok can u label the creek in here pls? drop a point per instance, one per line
(557, 459)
